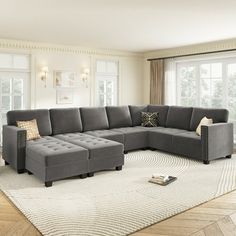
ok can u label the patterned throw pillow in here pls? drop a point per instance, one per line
(31, 128)
(150, 119)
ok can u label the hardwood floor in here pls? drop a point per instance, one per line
(12, 221)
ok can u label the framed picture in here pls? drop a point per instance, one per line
(65, 79)
(65, 96)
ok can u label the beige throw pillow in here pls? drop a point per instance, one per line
(204, 121)
(31, 128)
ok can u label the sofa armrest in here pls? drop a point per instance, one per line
(217, 140)
(13, 149)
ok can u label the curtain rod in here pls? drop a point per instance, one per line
(193, 54)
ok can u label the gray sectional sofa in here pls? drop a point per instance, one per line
(81, 141)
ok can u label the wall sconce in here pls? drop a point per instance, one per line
(44, 75)
(85, 76)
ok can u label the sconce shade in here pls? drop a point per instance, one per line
(86, 71)
(45, 69)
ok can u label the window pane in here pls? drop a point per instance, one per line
(205, 71)
(101, 66)
(6, 86)
(183, 72)
(232, 87)
(18, 86)
(112, 68)
(110, 86)
(217, 102)
(217, 88)
(17, 102)
(5, 61)
(101, 100)
(205, 101)
(6, 103)
(188, 102)
(216, 70)
(232, 70)
(205, 86)
(109, 100)
(101, 87)
(191, 72)
(188, 88)
(4, 119)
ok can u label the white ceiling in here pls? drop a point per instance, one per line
(133, 25)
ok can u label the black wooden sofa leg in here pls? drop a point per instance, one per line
(6, 163)
(29, 173)
(206, 162)
(83, 176)
(229, 156)
(119, 168)
(125, 152)
(21, 171)
(91, 174)
(48, 184)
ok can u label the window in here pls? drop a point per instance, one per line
(106, 83)
(14, 83)
(205, 83)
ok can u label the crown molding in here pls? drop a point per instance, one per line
(46, 47)
(192, 49)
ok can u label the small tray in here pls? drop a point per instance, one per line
(162, 183)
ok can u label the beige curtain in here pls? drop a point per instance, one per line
(157, 82)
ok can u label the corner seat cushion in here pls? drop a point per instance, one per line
(179, 117)
(65, 120)
(161, 138)
(118, 116)
(41, 115)
(56, 153)
(218, 116)
(99, 148)
(134, 137)
(107, 134)
(162, 112)
(136, 114)
(94, 118)
(187, 144)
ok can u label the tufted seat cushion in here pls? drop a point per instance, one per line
(56, 153)
(44, 139)
(98, 147)
(108, 134)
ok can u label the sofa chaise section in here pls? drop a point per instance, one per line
(14, 138)
(51, 159)
(103, 153)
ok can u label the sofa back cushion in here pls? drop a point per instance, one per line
(162, 112)
(41, 115)
(118, 116)
(136, 114)
(217, 115)
(65, 120)
(179, 117)
(94, 118)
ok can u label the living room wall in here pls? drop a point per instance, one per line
(74, 59)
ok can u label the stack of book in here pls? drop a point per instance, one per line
(162, 179)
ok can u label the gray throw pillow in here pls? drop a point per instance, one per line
(150, 119)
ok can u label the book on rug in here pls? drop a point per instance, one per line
(162, 179)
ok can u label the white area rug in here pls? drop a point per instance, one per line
(118, 202)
